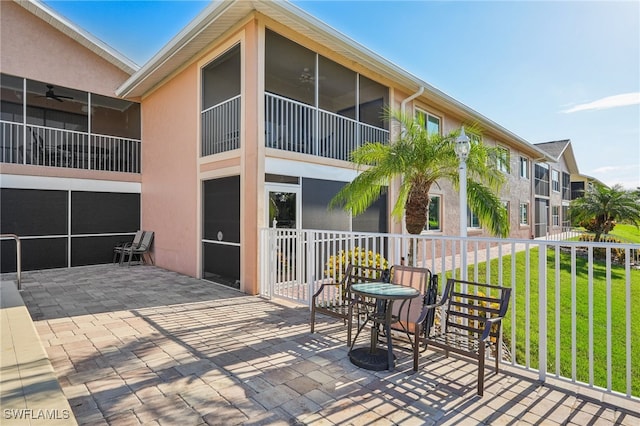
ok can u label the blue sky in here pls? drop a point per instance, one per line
(544, 70)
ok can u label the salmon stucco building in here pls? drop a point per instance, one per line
(244, 120)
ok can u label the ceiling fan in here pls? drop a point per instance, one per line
(306, 77)
(50, 94)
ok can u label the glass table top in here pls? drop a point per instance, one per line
(385, 290)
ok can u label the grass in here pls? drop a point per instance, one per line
(629, 233)
(560, 311)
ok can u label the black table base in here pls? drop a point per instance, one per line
(364, 358)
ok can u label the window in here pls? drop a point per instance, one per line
(541, 179)
(555, 215)
(115, 117)
(431, 122)
(566, 220)
(577, 190)
(506, 207)
(472, 219)
(433, 221)
(221, 88)
(555, 180)
(566, 186)
(373, 97)
(524, 168)
(290, 69)
(502, 159)
(524, 213)
(221, 78)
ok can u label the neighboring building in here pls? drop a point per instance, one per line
(580, 183)
(249, 115)
(552, 187)
(557, 182)
(69, 147)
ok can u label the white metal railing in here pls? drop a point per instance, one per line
(221, 127)
(18, 257)
(53, 147)
(571, 306)
(557, 233)
(297, 127)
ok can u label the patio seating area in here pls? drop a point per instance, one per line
(147, 346)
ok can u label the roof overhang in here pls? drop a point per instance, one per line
(222, 15)
(79, 35)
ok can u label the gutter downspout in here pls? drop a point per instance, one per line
(403, 104)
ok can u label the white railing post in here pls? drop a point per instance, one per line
(311, 264)
(542, 312)
(273, 256)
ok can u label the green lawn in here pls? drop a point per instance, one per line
(629, 233)
(599, 318)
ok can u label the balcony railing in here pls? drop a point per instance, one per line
(221, 127)
(298, 127)
(47, 146)
(572, 302)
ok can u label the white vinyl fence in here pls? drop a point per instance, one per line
(572, 308)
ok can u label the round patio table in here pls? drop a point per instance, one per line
(372, 358)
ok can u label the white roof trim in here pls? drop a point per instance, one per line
(76, 33)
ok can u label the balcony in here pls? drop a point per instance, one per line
(570, 316)
(297, 127)
(53, 147)
(289, 126)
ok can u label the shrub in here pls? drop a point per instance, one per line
(356, 256)
(600, 253)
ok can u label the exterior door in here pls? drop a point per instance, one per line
(221, 230)
(284, 205)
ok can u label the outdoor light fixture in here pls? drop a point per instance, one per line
(462, 149)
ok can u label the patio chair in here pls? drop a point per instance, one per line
(333, 299)
(410, 322)
(472, 322)
(118, 249)
(143, 249)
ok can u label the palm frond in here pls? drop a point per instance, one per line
(419, 159)
(489, 208)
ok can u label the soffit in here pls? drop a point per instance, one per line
(79, 35)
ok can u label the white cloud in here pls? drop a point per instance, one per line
(626, 175)
(615, 101)
(609, 169)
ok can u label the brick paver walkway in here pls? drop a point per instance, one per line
(142, 345)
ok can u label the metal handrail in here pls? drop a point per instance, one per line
(18, 256)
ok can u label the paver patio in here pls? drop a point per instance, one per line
(142, 345)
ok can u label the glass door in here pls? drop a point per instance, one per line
(284, 204)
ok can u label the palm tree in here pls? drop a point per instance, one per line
(604, 206)
(421, 159)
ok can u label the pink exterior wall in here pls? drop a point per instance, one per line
(170, 117)
(251, 179)
(31, 48)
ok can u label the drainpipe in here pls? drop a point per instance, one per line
(403, 104)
